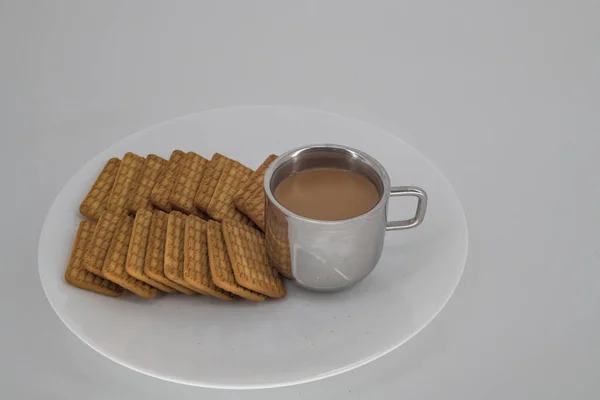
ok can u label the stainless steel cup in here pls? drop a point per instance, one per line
(331, 255)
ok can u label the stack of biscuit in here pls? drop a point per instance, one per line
(183, 225)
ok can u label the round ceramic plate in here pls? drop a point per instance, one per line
(306, 336)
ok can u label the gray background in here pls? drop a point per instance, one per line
(502, 96)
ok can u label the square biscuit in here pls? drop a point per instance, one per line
(139, 197)
(232, 179)
(208, 184)
(174, 250)
(250, 199)
(251, 268)
(187, 182)
(100, 242)
(127, 176)
(154, 265)
(161, 192)
(220, 266)
(136, 254)
(196, 269)
(78, 276)
(114, 265)
(95, 201)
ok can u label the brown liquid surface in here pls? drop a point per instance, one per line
(327, 194)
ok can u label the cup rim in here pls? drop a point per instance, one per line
(364, 157)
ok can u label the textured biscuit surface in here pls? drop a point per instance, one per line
(220, 266)
(136, 254)
(277, 242)
(155, 252)
(127, 176)
(209, 181)
(187, 182)
(174, 249)
(95, 201)
(139, 197)
(78, 276)
(232, 178)
(114, 265)
(196, 270)
(100, 241)
(250, 199)
(246, 249)
(161, 192)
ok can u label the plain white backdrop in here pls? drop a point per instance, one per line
(502, 96)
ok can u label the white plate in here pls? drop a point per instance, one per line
(307, 336)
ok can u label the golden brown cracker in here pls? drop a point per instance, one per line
(161, 192)
(246, 249)
(136, 253)
(250, 199)
(187, 182)
(95, 201)
(155, 253)
(139, 197)
(220, 266)
(196, 270)
(174, 250)
(277, 243)
(209, 181)
(232, 178)
(130, 167)
(100, 241)
(78, 276)
(116, 257)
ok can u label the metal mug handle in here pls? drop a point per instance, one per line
(401, 191)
